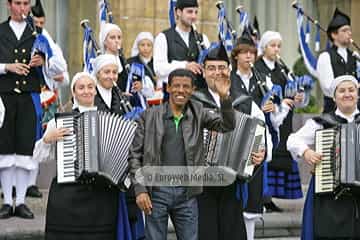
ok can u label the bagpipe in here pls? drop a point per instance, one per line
(53, 65)
(296, 85)
(304, 38)
(90, 51)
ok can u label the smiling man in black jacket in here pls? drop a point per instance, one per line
(172, 135)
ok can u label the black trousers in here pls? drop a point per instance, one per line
(220, 214)
(19, 128)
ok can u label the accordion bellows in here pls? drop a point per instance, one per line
(233, 149)
(99, 143)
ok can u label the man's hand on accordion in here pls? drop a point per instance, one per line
(311, 157)
(144, 202)
(55, 135)
(258, 157)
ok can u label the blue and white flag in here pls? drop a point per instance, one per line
(244, 18)
(225, 31)
(172, 18)
(104, 9)
(89, 51)
(309, 59)
(137, 72)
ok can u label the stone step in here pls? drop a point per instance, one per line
(285, 225)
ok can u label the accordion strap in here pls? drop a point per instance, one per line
(329, 120)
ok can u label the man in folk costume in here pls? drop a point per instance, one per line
(325, 216)
(220, 210)
(176, 47)
(18, 80)
(49, 93)
(337, 60)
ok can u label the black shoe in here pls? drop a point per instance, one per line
(271, 207)
(33, 191)
(13, 193)
(23, 211)
(6, 211)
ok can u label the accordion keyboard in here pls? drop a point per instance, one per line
(324, 171)
(67, 149)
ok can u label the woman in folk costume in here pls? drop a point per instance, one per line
(111, 43)
(142, 53)
(79, 210)
(109, 99)
(283, 175)
(325, 216)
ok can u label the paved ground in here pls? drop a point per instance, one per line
(279, 226)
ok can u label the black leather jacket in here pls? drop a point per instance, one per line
(146, 147)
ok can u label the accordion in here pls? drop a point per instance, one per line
(339, 169)
(233, 149)
(99, 143)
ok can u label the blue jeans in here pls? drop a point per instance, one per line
(171, 201)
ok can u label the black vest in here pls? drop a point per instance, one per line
(238, 89)
(281, 158)
(179, 51)
(115, 103)
(340, 67)
(17, 51)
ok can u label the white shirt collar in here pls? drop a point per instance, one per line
(106, 95)
(216, 97)
(342, 52)
(86, 109)
(348, 118)
(18, 28)
(183, 35)
(270, 64)
(245, 78)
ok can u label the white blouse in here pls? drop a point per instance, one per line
(298, 142)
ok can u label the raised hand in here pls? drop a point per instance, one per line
(222, 84)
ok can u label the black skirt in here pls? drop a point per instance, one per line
(81, 211)
(336, 219)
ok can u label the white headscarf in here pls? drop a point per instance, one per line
(267, 37)
(101, 61)
(141, 36)
(341, 79)
(76, 78)
(104, 31)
